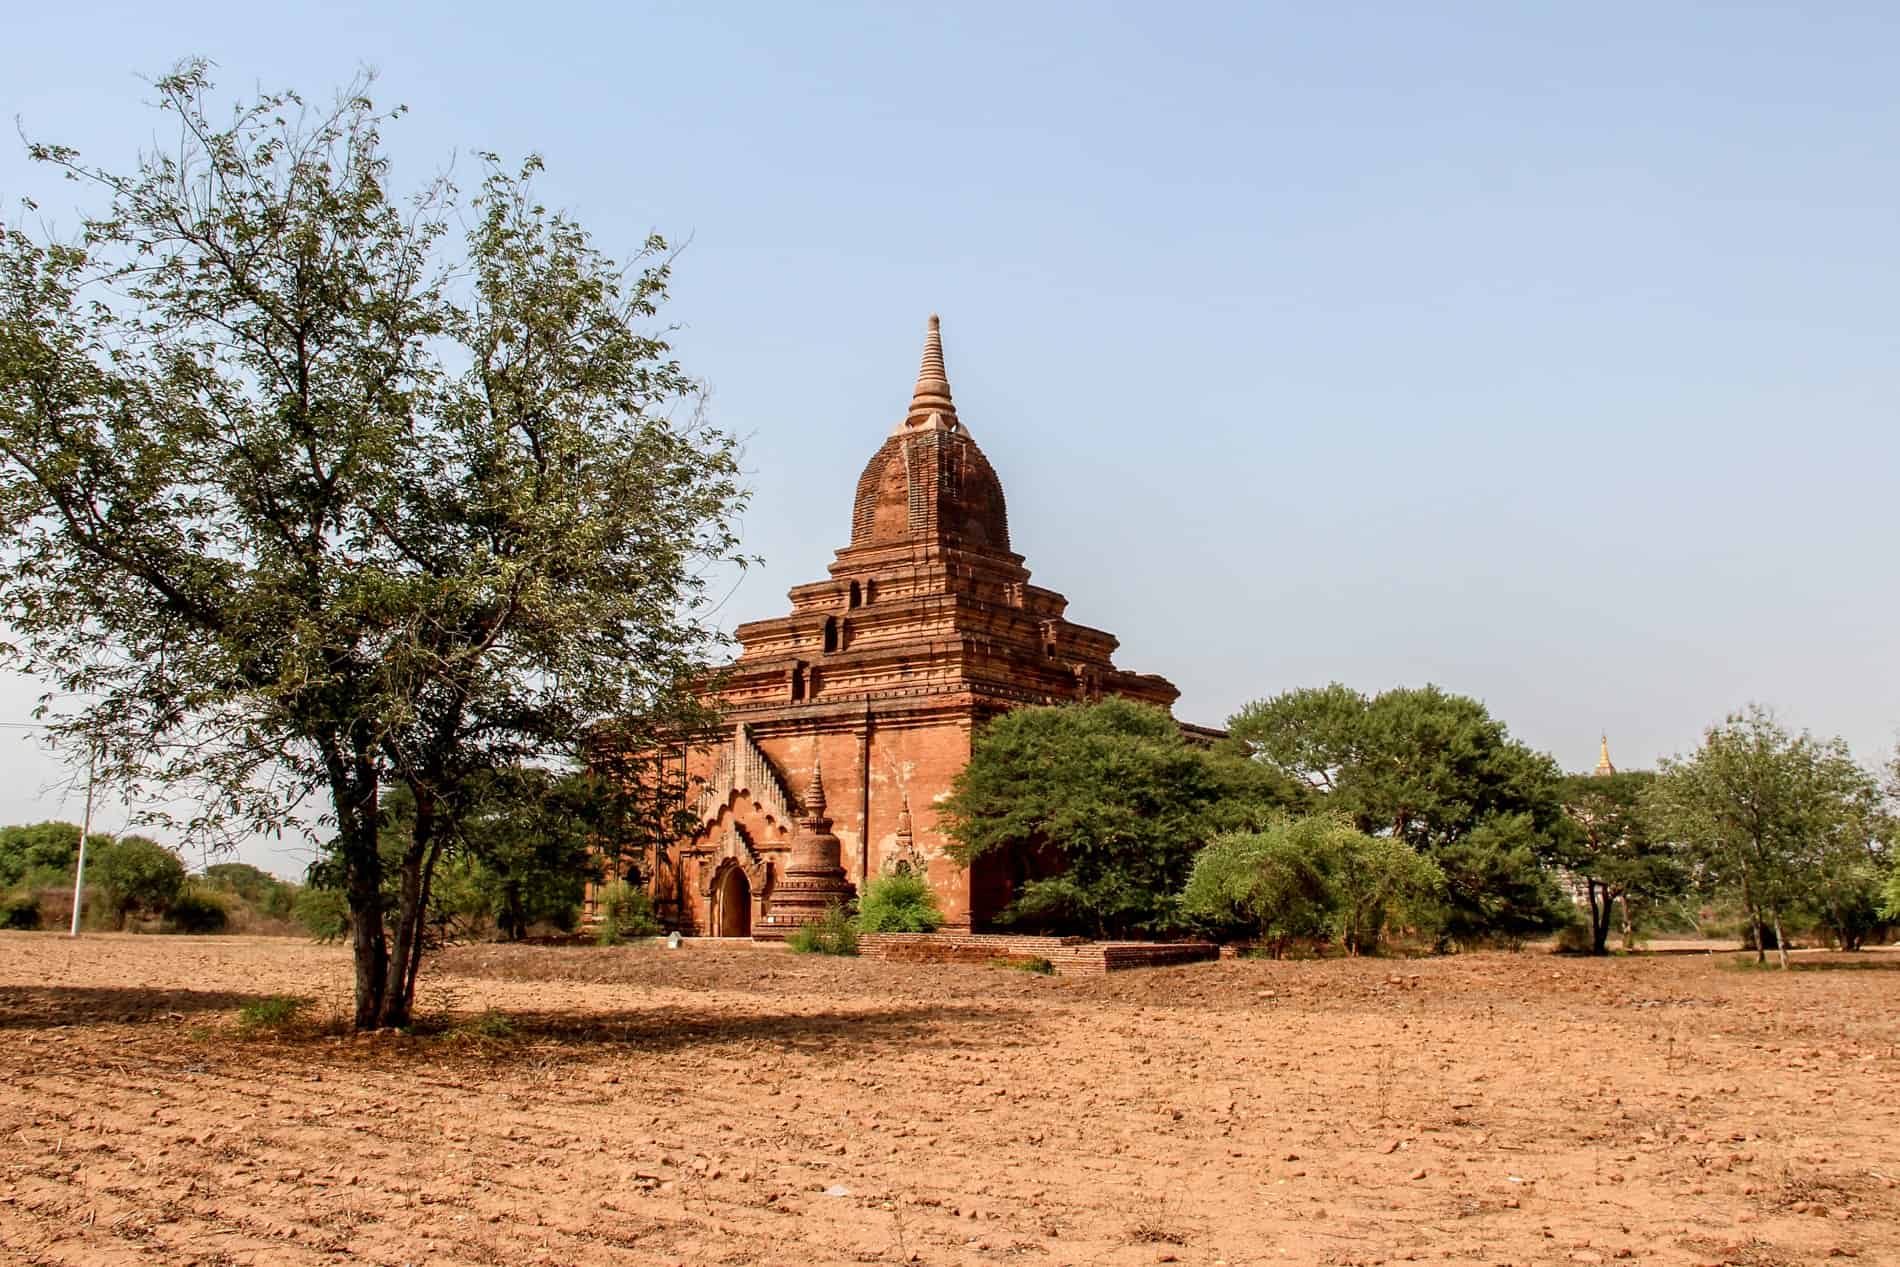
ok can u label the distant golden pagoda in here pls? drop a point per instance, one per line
(1603, 759)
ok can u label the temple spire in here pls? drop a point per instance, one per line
(930, 403)
(815, 794)
(1603, 760)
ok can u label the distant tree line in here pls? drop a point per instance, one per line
(1331, 817)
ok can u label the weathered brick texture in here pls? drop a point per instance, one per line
(926, 627)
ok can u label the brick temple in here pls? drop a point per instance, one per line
(848, 717)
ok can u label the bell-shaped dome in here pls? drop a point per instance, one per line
(928, 480)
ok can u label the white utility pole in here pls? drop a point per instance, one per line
(85, 830)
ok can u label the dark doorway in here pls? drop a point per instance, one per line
(732, 913)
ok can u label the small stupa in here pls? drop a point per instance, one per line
(814, 878)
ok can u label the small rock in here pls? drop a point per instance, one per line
(836, 1190)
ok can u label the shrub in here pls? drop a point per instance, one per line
(270, 1012)
(136, 874)
(1573, 939)
(625, 911)
(899, 904)
(20, 909)
(1309, 879)
(833, 933)
(1026, 963)
(324, 913)
(197, 910)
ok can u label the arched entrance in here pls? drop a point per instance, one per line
(732, 905)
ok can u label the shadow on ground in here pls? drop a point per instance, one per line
(50, 1006)
(670, 1029)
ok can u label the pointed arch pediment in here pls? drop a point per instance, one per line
(735, 849)
(743, 770)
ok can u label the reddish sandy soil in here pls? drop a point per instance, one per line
(728, 1104)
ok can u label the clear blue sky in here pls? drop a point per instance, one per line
(1548, 353)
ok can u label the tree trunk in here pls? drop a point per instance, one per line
(1781, 943)
(428, 885)
(399, 992)
(514, 917)
(1629, 926)
(1754, 918)
(1600, 903)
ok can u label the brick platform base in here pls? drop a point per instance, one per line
(1069, 956)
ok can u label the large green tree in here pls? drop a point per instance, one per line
(1436, 771)
(1612, 853)
(1097, 808)
(304, 496)
(41, 853)
(1768, 814)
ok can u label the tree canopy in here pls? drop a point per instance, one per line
(1775, 816)
(1436, 771)
(1100, 807)
(308, 497)
(1612, 852)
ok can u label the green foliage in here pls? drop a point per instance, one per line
(1313, 878)
(135, 875)
(273, 1011)
(37, 854)
(1100, 809)
(625, 911)
(527, 839)
(833, 933)
(1496, 889)
(489, 1026)
(1425, 765)
(1434, 771)
(899, 904)
(328, 499)
(256, 888)
(197, 909)
(324, 913)
(1035, 964)
(1778, 820)
(20, 909)
(1890, 893)
(1612, 852)
(1271, 885)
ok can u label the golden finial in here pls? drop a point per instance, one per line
(1603, 759)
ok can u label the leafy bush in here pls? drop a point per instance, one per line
(833, 933)
(270, 1012)
(36, 853)
(20, 909)
(1309, 878)
(254, 888)
(899, 904)
(136, 875)
(1267, 885)
(197, 910)
(625, 911)
(324, 913)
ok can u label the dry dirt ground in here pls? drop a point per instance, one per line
(735, 1104)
